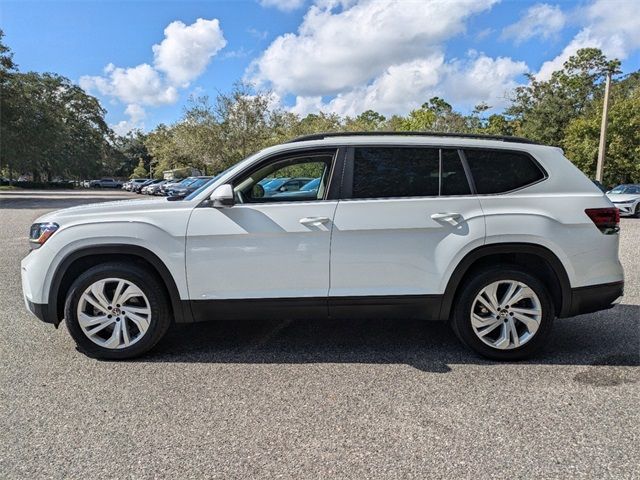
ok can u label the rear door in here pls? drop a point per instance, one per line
(406, 215)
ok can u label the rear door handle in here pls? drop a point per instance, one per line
(313, 220)
(452, 218)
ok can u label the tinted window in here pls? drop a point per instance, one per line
(454, 180)
(497, 171)
(380, 172)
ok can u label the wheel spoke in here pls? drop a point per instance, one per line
(489, 328)
(131, 292)
(118, 292)
(504, 341)
(481, 322)
(526, 311)
(491, 293)
(487, 304)
(100, 327)
(141, 322)
(514, 333)
(125, 331)
(139, 310)
(512, 294)
(114, 340)
(89, 321)
(97, 289)
(531, 323)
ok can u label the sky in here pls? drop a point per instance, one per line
(145, 59)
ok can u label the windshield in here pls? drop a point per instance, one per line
(626, 189)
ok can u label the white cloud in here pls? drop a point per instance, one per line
(186, 50)
(284, 5)
(142, 84)
(338, 46)
(613, 26)
(136, 115)
(404, 87)
(180, 58)
(541, 20)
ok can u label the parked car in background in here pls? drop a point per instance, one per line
(626, 198)
(137, 187)
(154, 188)
(190, 187)
(105, 183)
(285, 185)
(133, 182)
(183, 182)
(308, 190)
(145, 190)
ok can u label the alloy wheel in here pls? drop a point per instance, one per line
(506, 314)
(114, 313)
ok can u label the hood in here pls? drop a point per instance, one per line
(623, 197)
(108, 210)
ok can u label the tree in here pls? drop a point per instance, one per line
(543, 110)
(622, 163)
(140, 171)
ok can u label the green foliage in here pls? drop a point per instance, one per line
(140, 171)
(50, 127)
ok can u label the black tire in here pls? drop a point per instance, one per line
(637, 211)
(461, 318)
(143, 279)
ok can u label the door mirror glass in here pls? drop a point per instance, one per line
(222, 196)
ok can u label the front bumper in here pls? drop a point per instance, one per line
(594, 298)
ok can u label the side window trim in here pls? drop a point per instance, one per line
(467, 172)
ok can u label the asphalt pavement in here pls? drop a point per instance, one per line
(294, 399)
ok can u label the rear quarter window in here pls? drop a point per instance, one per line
(497, 171)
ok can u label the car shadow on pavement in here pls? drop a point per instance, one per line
(610, 337)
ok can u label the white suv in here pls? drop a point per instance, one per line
(496, 235)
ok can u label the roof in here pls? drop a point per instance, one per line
(327, 135)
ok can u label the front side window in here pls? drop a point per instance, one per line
(497, 171)
(303, 178)
(386, 172)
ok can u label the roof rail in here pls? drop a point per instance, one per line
(321, 136)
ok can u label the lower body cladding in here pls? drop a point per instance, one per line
(428, 307)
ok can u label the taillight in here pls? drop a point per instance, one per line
(606, 219)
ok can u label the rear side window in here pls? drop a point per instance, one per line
(496, 171)
(385, 172)
(380, 172)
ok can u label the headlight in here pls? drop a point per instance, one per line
(40, 233)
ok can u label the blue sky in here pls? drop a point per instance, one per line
(334, 55)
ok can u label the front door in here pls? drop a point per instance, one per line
(271, 249)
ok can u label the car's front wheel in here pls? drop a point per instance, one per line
(503, 314)
(116, 311)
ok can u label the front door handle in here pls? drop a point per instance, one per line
(314, 220)
(452, 218)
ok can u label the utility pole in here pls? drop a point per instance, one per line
(603, 128)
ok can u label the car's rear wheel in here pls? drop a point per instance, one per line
(503, 314)
(116, 311)
(637, 211)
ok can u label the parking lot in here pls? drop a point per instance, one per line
(294, 399)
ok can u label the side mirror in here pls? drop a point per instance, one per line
(222, 196)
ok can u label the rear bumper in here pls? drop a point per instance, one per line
(594, 298)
